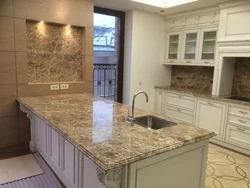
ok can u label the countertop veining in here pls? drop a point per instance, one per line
(98, 128)
(203, 94)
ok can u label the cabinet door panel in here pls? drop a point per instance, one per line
(159, 102)
(238, 135)
(68, 163)
(179, 114)
(211, 116)
(41, 137)
(190, 46)
(207, 46)
(180, 100)
(55, 148)
(173, 47)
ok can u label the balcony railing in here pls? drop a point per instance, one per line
(105, 81)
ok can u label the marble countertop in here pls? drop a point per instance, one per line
(98, 128)
(203, 94)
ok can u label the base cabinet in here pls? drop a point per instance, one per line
(211, 116)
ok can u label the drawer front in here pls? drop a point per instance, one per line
(239, 111)
(179, 114)
(238, 136)
(239, 120)
(180, 100)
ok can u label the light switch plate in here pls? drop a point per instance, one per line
(54, 87)
(64, 86)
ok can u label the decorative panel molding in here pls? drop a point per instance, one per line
(194, 19)
(54, 53)
(233, 23)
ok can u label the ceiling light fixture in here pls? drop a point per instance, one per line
(164, 3)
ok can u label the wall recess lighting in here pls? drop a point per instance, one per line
(164, 3)
(69, 25)
(41, 22)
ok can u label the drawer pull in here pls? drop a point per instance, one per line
(241, 129)
(180, 110)
(189, 62)
(180, 96)
(206, 62)
(210, 103)
(242, 112)
(242, 121)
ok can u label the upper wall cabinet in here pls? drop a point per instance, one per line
(190, 51)
(191, 37)
(192, 47)
(207, 46)
(234, 21)
(173, 46)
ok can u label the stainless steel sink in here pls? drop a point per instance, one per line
(152, 122)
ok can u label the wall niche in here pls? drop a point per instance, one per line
(54, 52)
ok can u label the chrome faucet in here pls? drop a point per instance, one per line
(131, 117)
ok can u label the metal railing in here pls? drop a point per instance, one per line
(105, 81)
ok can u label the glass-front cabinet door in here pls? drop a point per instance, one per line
(173, 48)
(208, 44)
(190, 51)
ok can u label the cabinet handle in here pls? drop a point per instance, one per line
(242, 112)
(242, 121)
(206, 62)
(210, 103)
(180, 110)
(241, 129)
(188, 61)
(180, 96)
(171, 61)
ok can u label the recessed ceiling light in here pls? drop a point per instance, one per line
(164, 3)
(42, 22)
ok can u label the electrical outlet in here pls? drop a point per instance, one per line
(54, 87)
(64, 86)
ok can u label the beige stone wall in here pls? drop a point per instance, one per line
(192, 77)
(14, 126)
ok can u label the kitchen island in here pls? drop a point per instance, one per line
(89, 144)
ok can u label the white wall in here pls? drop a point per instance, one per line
(144, 56)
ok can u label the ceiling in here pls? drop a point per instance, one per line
(127, 5)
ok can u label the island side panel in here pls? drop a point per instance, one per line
(73, 168)
(179, 168)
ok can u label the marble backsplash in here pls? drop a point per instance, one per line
(54, 53)
(241, 79)
(192, 77)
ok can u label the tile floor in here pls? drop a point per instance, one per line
(227, 169)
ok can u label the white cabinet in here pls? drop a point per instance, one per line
(190, 46)
(234, 22)
(207, 46)
(173, 47)
(159, 101)
(237, 135)
(210, 115)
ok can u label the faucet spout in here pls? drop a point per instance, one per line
(131, 117)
